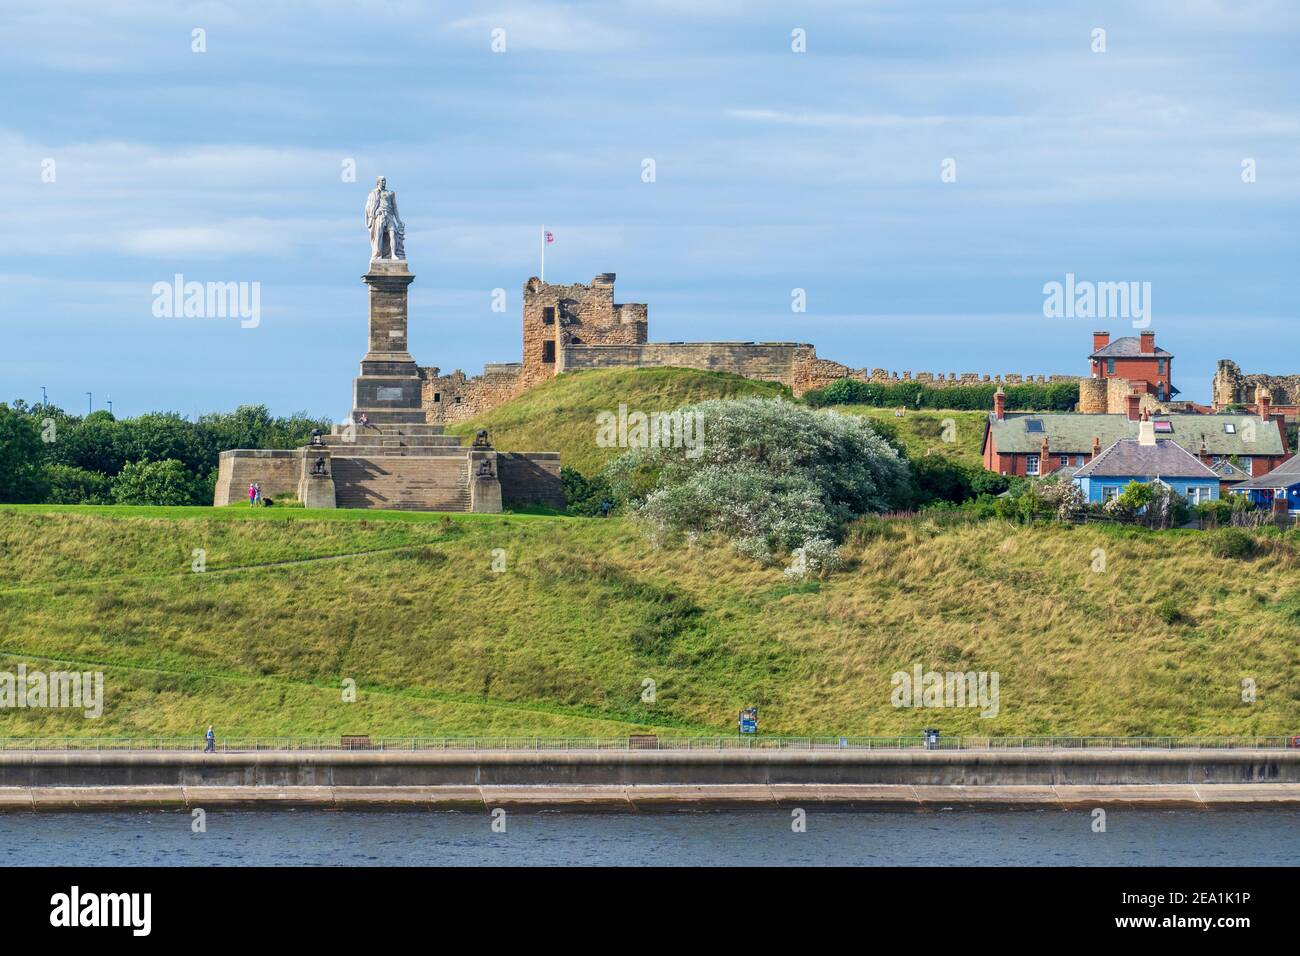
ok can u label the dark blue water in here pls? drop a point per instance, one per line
(1026, 838)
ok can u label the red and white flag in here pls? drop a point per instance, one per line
(550, 237)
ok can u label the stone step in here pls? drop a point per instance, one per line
(393, 428)
(427, 481)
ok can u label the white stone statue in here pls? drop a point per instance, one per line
(387, 233)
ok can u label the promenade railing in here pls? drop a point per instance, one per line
(238, 744)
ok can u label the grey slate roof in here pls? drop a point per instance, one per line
(1227, 471)
(1128, 458)
(1284, 475)
(1129, 346)
(1071, 432)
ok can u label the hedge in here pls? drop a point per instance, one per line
(1055, 396)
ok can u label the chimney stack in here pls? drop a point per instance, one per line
(1146, 432)
(1000, 404)
(1131, 403)
(1044, 467)
(1100, 340)
(1148, 340)
(1096, 446)
(1264, 398)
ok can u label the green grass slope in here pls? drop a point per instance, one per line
(560, 415)
(955, 435)
(561, 641)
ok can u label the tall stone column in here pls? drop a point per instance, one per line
(388, 388)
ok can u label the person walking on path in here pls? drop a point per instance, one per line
(210, 745)
(252, 494)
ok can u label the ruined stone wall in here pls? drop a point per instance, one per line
(764, 361)
(1233, 387)
(1109, 396)
(453, 398)
(559, 315)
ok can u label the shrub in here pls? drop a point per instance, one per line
(154, 483)
(77, 486)
(1231, 543)
(1054, 396)
(816, 559)
(1171, 613)
(584, 495)
(769, 476)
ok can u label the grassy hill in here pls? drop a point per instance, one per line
(929, 432)
(560, 415)
(292, 602)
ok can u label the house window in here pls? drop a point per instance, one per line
(1031, 464)
(457, 399)
(1245, 462)
(1160, 366)
(1065, 461)
(1110, 492)
(1229, 428)
(548, 351)
(1200, 493)
(437, 396)
(1110, 366)
(548, 315)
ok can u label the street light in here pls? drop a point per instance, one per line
(45, 399)
(90, 403)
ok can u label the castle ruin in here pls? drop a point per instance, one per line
(1232, 387)
(569, 328)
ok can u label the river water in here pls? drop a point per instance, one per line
(759, 838)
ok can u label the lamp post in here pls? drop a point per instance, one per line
(90, 403)
(45, 399)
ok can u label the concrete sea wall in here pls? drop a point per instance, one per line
(641, 780)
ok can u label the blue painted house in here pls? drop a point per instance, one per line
(1282, 482)
(1146, 459)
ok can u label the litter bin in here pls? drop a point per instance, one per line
(931, 738)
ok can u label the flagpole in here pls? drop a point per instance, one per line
(543, 275)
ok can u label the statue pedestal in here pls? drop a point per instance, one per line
(316, 490)
(484, 484)
(388, 388)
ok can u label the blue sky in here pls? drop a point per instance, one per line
(774, 170)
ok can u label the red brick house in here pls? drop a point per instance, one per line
(1032, 444)
(1148, 369)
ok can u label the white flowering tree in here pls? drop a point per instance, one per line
(770, 476)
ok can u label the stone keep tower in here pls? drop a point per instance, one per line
(388, 388)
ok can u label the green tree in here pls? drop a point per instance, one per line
(76, 486)
(154, 483)
(22, 457)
